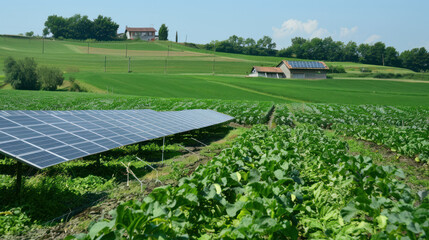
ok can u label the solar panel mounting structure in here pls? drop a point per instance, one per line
(306, 64)
(45, 138)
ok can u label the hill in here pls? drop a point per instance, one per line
(166, 69)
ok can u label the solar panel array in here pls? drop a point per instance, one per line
(45, 138)
(303, 64)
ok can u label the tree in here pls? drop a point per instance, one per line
(49, 78)
(163, 32)
(45, 32)
(350, 52)
(363, 52)
(29, 34)
(11, 69)
(177, 38)
(377, 53)
(266, 42)
(104, 28)
(416, 59)
(391, 57)
(249, 42)
(57, 26)
(21, 74)
(80, 27)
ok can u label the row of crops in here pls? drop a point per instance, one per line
(285, 183)
(404, 130)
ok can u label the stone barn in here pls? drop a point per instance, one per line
(292, 69)
(304, 69)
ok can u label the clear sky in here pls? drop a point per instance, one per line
(399, 23)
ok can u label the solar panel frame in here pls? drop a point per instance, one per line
(306, 64)
(45, 138)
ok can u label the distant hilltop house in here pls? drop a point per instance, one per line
(293, 69)
(147, 34)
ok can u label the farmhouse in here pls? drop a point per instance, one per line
(293, 69)
(269, 72)
(147, 34)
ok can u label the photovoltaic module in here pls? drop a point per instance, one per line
(45, 138)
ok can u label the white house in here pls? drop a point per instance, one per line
(147, 34)
(293, 69)
(268, 72)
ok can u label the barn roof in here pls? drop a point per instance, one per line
(130, 29)
(268, 69)
(305, 65)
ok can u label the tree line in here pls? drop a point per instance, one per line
(263, 47)
(81, 27)
(416, 59)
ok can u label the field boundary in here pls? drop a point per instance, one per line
(382, 79)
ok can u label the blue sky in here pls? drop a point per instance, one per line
(402, 24)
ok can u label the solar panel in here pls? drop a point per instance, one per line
(45, 138)
(304, 64)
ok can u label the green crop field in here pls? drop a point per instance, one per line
(341, 158)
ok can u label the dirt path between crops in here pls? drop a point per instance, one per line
(271, 117)
(80, 221)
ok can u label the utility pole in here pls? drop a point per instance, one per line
(382, 58)
(166, 60)
(105, 63)
(129, 64)
(214, 58)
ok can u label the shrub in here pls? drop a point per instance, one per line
(21, 74)
(50, 78)
(75, 86)
(387, 75)
(336, 69)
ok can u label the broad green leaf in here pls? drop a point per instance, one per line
(382, 221)
(96, 228)
(218, 189)
(348, 212)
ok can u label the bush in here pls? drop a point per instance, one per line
(387, 75)
(365, 70)
(50, 78)
(21, 74)
(75, 86)
(336, 69)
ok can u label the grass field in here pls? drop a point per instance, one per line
(166, 69)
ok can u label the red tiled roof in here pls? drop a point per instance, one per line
(268, 69)
(129, 29)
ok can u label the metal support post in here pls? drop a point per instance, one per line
(157, 173)
(205, 145)
(163, 147)
(18, 179)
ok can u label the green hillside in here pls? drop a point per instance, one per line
(167, 69)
